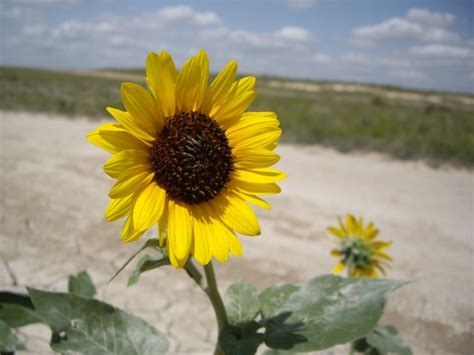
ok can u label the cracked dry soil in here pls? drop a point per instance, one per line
(53, 194)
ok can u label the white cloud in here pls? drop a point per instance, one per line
(356, 58)
(173, 19)
(429, 18)
(439, 51)
(35, 29)
(321, 58)
(182, 13)
(176, 13)
(11, 13)
(440, 35)
(394, 28)
(45, 2)
(112, 39)
(123, 40)
(287, 37)
(300, 5)
(417, 25)
(292, 33)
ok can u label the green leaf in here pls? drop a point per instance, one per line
(16, 298)
(81, 285)
(18, 316)
(147, 263)
(387, 341)
(241, 302)
(17, 310)
(334, 310)
(9, 341)
(150, 243)
(236, 340)
(282, 335)
(88, 326)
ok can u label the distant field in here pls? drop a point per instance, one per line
(407, 124)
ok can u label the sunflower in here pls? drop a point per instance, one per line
(359, 250)
(188, 159)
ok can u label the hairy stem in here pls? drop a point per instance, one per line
(195, 274)
(216, 300)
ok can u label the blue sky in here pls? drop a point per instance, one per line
(423, 44)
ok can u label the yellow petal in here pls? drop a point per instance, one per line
(118, 139)
(245, 84)
(142, 106)
(218, 240)
(380, 245)
(177, 263)
(234, 107)
(95, 138)
(341, 225)
(254, 158)
(148, 207)
(113, 138)
(250, 119)
(180, 229)
(171, 246)
(383, 255)
(351, 224)
(203, 60)
(264, 175)
(161, 78)
(168, 64)
(337, 232)
(371, 232)
(241, 86)
(379, 267)
(219, 88)
(338, 268)
(236, 214)
(129, 234)
(118, 208)
(336, 252)
(124, 160)
(201, 247)
(130, 181)
(257, 201)
(246, 127)
(191, 82)
(258, 139)
(260, 117)
(235, 246)
(129, 123)
(373, 274)
(257, 189)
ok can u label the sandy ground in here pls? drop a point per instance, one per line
(53, 194)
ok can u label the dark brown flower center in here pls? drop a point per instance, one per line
(191, 158)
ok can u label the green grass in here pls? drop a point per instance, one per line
(440, 132)
(403, 131)
(56, 92)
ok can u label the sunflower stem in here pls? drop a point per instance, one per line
(195, 274)
(216, 300)
(350, 267)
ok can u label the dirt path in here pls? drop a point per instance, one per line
(53, 194)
